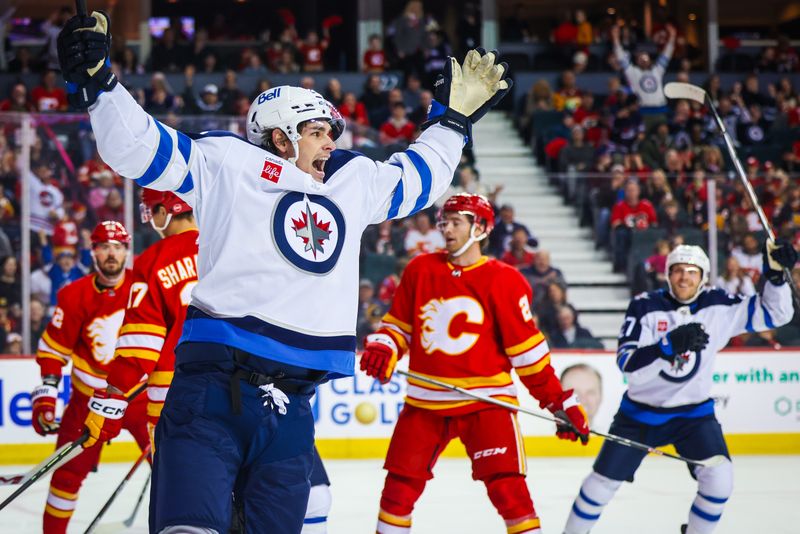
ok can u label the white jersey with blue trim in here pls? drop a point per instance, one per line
(278, 250)
(653, 381)
(648, 84)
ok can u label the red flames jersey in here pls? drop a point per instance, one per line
(84, 329)
(163, 278)
(467, 327)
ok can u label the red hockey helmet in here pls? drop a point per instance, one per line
(171, 202)
(475, 205)
(110, 232)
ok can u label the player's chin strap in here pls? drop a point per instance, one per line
(160, 229)
(472, 239)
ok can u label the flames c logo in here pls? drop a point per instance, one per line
(437, 318)
(103, 332)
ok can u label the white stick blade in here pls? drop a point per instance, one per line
(688, 91)
(713, 461)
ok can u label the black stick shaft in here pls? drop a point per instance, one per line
(80, 7)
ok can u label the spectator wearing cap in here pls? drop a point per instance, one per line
(207, 104)
(505, 226)
(630, 214)
(62, 266)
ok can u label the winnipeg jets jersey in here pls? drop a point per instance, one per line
(686, 384)
(648, 84)
(278, 251)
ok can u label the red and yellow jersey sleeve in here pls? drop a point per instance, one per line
(522, 342)
(62, 333)
(143, 331)
(164, 276)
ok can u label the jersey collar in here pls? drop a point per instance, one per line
(481, 261)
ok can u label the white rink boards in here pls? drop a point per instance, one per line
(766, 493)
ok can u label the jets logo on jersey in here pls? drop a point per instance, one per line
(445, 323)
(648, 83)
(683, 368)
(309, 231)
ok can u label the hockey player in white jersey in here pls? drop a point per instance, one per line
(274, 311)
(667, 347)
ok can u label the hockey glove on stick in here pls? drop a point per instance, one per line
(687, 337)
(104, 421)
(380, 357)
(83, 53)
(569, 410)
(778, 256)
(465, 93)
(43, 399)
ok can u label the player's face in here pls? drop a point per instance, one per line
(316, 145)
(110, 258)
(685, 280)
(456, 229)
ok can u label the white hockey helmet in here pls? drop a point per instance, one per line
(285, 107)
(690, 255)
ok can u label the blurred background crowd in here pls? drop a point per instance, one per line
(636, 171)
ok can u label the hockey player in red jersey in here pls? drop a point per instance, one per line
(466, 320)
(162, 281)
(84, 329)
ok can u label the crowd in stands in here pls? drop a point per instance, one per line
(637, 178)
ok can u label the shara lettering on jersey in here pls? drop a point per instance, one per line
(271, 171)
(178, 271)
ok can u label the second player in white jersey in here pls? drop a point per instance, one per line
(667, 347)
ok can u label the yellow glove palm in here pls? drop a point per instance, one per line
(475, 82)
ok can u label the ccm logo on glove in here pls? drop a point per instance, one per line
(108, 408)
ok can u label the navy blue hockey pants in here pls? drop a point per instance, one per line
(205, 452)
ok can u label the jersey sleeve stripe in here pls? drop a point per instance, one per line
(751, 311)
(425, 178)
(398, 337)
(140, 341)
(160, 378)
(528, 344)
(55, 346)
(535, 368)
(185, 148)
(397, 197)
(161, 160)
(424, 394)
(767, 317)
(60, 359)
(90, 380)
(157, 393)
(391, 319)
(142, 354)
(531, 356)
(143, 328)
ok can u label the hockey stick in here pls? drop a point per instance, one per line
(117, 491)
(80, 7)
(62, 455)
(708, 462)
(112, 528)
(687, 91)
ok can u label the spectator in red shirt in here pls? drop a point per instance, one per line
(397, 129)
(48, 96)
(628, 215)
(312, 50)
(374, 57)
(18, 101)
(353, 110)
(519, 254)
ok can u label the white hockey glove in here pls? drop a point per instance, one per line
(83, 54)
(465, 93)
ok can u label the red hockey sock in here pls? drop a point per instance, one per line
(400, 494)
(511, 498)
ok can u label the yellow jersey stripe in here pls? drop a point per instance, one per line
(160, 378)
(55, 512)
(142, 354)
(63, 494)
(395, 520)
(143, 328)
(391, 319)
(525, 526)
(58, 346)
(525, 345)
(500, 379)
(534, 368)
